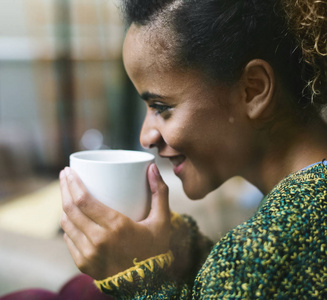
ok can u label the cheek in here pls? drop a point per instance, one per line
(179, 135)
(174, 137)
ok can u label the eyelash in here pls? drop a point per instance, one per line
(160, 108)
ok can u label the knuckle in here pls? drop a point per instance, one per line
(118, 230)
(119, 226)
(66, 238)
(63, 221)
(67, 206)
(81, 199)
(164, 189)
(115, 231)
(89, 253)
(81, 265)
(99, 240)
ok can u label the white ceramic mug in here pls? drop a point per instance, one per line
(118, 178)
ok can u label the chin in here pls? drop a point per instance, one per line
(195, 194)
(197, 190)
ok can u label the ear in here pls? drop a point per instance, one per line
(259, 86)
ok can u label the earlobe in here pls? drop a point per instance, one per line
(259, 85)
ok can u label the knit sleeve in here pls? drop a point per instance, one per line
(167, 276)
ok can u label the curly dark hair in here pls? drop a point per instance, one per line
(307, 19)
(220, 37)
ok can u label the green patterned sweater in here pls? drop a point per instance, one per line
(279, 253)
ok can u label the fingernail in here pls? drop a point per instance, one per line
(155, 170)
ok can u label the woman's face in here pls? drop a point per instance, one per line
(187, 117)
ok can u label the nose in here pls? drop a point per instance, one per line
(150, 135)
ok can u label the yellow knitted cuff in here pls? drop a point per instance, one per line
(161, 260)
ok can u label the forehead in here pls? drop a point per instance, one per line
(148, 47)
(150, 64)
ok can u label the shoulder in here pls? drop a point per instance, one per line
(301, 195)
(284, 239)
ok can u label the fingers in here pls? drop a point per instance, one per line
(72, 211)
(77, 225)
(88, 205)
(75, 253)
(77, 190)
(160, 212)
(73, 232)
(80, 231)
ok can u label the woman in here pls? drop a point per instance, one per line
(232, 87)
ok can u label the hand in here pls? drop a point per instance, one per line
(102, 241)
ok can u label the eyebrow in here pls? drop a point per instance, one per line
(147, 96)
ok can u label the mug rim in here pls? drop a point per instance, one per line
(142, 156)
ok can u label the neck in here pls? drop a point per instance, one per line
(291, 150)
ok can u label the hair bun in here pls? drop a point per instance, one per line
(308, 22)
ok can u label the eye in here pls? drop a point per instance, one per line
(159, 108)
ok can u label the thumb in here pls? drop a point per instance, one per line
(159, 212)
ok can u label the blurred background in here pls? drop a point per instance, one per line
(63, 89)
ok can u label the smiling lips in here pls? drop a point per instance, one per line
(177, 161)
